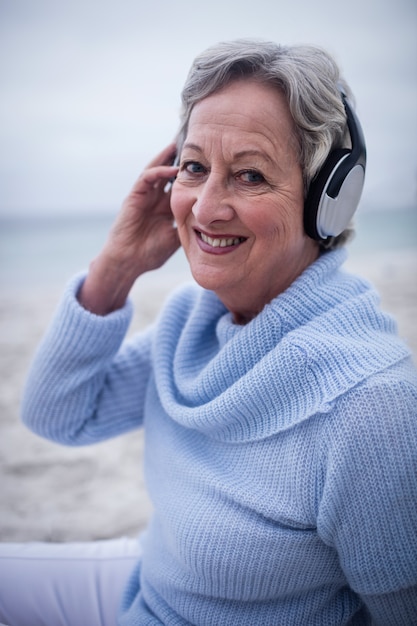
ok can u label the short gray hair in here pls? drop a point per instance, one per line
(308, 77)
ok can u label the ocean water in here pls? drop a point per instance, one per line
(46, 251)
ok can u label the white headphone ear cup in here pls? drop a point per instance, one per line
(318, 187)
(335, 214)
(335, 192)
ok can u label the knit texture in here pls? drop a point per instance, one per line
(281, 456)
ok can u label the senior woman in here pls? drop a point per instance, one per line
(279, 404)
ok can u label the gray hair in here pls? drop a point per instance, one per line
(308, 77)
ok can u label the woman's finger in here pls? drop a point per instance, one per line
(159, 174)
(154, 178)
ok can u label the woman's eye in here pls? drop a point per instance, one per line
(251, 176)
(193, 167)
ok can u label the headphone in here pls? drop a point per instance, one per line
(336, 189)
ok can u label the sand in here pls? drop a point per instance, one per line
(53, 493)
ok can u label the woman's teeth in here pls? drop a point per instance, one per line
(221, 243)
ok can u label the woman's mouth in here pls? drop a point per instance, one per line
(220, 242)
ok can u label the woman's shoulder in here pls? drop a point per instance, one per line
(378, 416)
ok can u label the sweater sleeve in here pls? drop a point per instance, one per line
(84, 384)
(368, 511)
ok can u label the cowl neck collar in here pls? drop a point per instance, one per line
(312, 343)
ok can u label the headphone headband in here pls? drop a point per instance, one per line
(336, 189)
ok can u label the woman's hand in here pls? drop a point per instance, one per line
(142, 238)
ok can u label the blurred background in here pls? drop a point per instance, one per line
(90, 91)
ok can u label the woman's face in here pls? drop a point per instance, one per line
(238, 197)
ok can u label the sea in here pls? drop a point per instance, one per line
(44, 251)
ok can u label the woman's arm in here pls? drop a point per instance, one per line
(142, 239)
(83, 386)
(368, 510)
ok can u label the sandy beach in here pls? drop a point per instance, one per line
(53, 493)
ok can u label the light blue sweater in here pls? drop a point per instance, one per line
(281, 456)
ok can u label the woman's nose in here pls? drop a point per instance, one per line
(213, 202)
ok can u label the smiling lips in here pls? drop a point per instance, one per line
(220, 242)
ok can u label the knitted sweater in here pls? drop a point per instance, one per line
(281, 456)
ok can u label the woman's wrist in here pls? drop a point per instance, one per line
(106, 286)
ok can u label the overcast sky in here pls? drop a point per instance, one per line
(90, 88)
